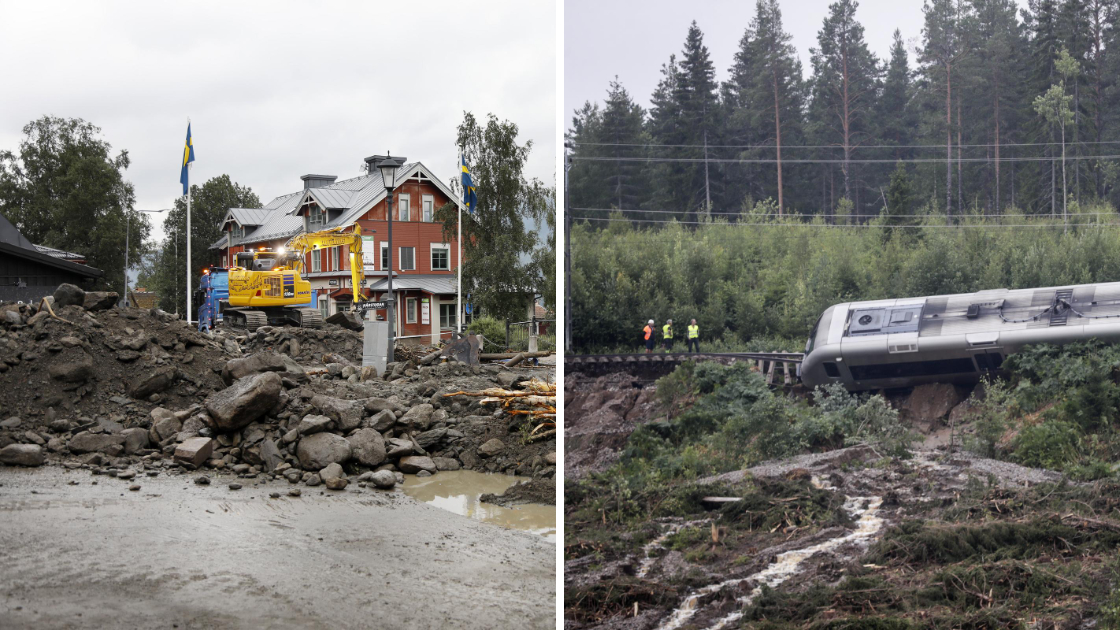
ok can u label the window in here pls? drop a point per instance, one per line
(408, 259)
(410, 310)
(447, 316)
(441, 257)
(405, 205)
(316, 262)
(917, 368)
(334, 259)
(429, 204)
(316, 218)
(384, 255)
(323, 306)
(369, 251)
(238, 231)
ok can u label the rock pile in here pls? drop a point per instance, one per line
(128, 389)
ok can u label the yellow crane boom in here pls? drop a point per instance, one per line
(334, 237)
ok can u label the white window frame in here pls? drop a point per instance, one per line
(411, 309)
(400, 259)
(452, 311)
(316, 261)
(334, 259)
(322, 302)
(404, 207)
(432, 256)
(428, 208)
(384, 260)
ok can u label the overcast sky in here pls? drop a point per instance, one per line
(278, 89)
(633, 39)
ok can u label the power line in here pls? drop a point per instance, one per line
(856, 225)
(840, 146)
(794, 214)
(837, 161)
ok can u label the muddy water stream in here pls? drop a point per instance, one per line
(458, 491)
(786, 565)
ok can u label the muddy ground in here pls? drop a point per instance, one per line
(850, 538)
(174, 554)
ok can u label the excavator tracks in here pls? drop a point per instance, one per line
(308, 318)
(248, 320)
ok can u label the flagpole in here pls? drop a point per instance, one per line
(188, 235)
(459, 242)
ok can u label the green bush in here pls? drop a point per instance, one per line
(1050, 444)
(492, 330)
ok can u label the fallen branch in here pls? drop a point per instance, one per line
(51, 311)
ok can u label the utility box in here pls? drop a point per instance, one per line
(375, 345)
(532, 343)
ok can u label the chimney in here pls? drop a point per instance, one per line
(317, 181)
(374, 160)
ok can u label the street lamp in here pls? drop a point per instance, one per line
(389, 168)
(127, 231)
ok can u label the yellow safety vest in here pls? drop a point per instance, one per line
(693, 331)
(667, 331)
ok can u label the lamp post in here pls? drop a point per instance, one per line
(127, 233)
(388, 168)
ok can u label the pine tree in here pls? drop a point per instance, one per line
(664, 128)
(622, 134)
(845, 74)
(698, 105)
(944, 45)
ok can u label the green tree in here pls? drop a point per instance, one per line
(210, 203)
(900, 201)
(65, 189)
(699, 110)
(845, 76)
(498, 269)
(1054, 106)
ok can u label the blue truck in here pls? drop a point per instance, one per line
(213, 287)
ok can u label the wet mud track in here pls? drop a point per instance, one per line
(178, 555)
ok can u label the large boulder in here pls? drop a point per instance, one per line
(313, 424)
(428, 439)
(347, 414)
(238, 405)
(22, 455)
(165, 424)
(331, 471)
(270, 455)
(72, 365)
(317, 451)
(86, 442)
(415, 463)
(382, 422)
(419, 417)
(930, 403)
(68, 294)
(135, 439)
(193, 451)
(368, 446)
(153, 382)
(253, 364)
(100, 300)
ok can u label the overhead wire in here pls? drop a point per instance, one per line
(702, 160)
(853, 225)
(840, 146)
(864, 215)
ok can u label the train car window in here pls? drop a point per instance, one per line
(915, 368)
(831, 369)
(813, 336)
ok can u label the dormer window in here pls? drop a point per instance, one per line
(316, 218)
(237, 231)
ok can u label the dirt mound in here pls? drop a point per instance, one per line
(123, 390)
(534, 491)
(600, 414)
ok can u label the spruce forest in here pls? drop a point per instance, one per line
(975, 111)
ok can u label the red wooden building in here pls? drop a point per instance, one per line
(424, 259)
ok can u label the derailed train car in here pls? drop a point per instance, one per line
(951, 338)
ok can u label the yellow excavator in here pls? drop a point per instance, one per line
(266, 287)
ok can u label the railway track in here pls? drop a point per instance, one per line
(779, 368)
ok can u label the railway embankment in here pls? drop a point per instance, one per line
(729, 504)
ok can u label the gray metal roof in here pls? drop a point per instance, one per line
(58, 253)
(437, 285)
(355, 196)
(333, 199)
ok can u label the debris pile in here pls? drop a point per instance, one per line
(122, 391)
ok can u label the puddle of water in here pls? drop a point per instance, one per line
(458, 491)
(787, 564)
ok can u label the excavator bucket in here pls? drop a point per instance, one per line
(463, 349)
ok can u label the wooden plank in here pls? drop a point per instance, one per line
(785, 368)
(721, 499)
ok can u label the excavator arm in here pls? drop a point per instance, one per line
(334, 237)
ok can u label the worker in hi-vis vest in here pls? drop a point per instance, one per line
(693, 337)
(667, 335)
(647, 333)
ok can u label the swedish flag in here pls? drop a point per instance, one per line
(469, 198)
(188, 157)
